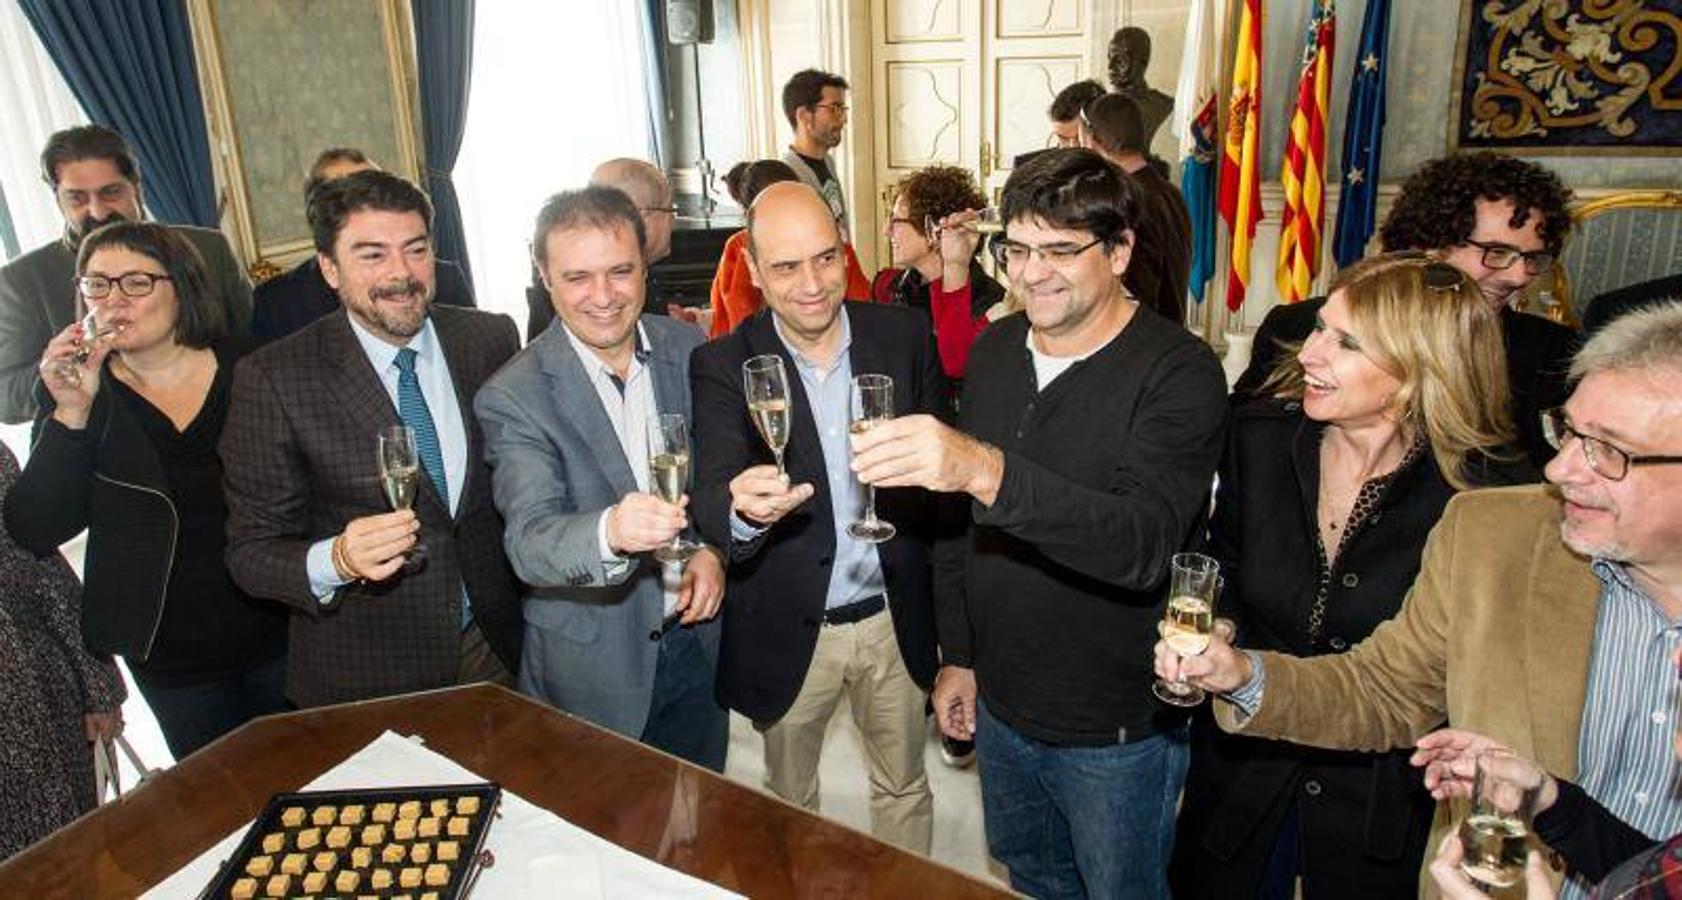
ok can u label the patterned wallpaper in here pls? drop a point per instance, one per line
(303, 75)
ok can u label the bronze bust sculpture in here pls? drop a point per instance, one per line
(1130, 55)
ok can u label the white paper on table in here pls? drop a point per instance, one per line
(538, 854)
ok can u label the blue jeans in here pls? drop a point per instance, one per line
(192, 715)
(683, 718)
(1080, 821)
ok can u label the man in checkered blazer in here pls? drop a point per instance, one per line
(308, 523)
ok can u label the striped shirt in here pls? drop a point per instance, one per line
(1625, 752)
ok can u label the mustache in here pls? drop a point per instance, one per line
(89, 224)
(405, 288)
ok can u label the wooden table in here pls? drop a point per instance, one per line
(672, 812)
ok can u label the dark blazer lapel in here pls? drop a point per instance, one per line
(582, 409)
(671, 386)
(356, 388)
(1559, 622)
(461, 354)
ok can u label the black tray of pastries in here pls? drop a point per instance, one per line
(420, 843)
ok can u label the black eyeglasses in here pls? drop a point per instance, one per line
(1603, 458)
(1501, 256)
(838, 107)
(131, 284)
(1013, 254)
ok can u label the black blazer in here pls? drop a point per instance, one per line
(1366, 820)
(107, 478)
(298, 461)
(774, 598)
(291, 300)
(1538, 359)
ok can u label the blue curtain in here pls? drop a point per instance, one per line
(130, 64)
(444, 52)
(654, 71)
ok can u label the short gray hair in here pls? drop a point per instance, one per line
(1648, 338)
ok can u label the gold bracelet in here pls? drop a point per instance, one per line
(341, 560)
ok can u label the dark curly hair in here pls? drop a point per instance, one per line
(938, 191)
(1437, 206)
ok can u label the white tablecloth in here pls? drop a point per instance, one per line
(538, 854)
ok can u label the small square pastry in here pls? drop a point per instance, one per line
(243, 889)
(308, 838)
(274, 843)
(294, 864)
(352, 815)
(380, 880)
(338, 836)
(392, 853)
(315, 882)
(448, 851)
(292, 816)
(361, 857)
(459, 825)
(326, 862)
(385, 812)
(410, 809)
(410, 877)
(467, 806)
(403, 830)
(428, 828)
(347, 880)
(260, 866)
(278, 885)
(429, 895)
(324, 815)
(437, 875)
(420, 853)
(373, 834)
(439, 807)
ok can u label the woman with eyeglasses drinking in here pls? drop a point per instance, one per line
(1328, 488)
(132, 400)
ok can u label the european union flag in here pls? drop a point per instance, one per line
(1363, 138)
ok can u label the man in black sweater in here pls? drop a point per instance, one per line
(1114, 128)
(1091, 429)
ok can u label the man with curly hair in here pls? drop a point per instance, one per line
(934, 268)
(1500, 220)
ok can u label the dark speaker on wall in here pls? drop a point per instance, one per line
(689, 21)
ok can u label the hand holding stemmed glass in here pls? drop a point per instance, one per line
(873, 403)
(71, 363)
(400, 475)
(668, 476)
(1188, 621)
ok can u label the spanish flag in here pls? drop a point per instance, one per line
(1304, 175)
(1241, 156)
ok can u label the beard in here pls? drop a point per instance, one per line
(401, 322)
(88, 225)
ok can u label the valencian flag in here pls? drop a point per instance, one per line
(1241, 154)
(1363, 139)
(1196, 125)
(1304, 175)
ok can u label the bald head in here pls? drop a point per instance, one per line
(646, 185)
(798, 262)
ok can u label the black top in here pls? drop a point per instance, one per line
(1538, 359)
(157, 590)
(819, 166)
(1592, 839)
(1368, 819)
(1161, 265)
(289, 301)
(1612, 304)
(1052, 594)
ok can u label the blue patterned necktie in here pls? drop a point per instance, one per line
(411, 408)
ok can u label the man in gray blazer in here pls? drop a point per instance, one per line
(611, 634)
(95, 181)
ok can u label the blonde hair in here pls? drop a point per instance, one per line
(1444, 344)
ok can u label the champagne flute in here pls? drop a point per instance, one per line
(873, 402)
(987, 221)
(92, 333)
(1494, 835)
(668, 474)
(766, 384)
(1188, 620)
(400, 475)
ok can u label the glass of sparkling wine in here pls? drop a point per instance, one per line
(668, 474)
(1189, 619)
(766, 384)
(92, 333)
(986, 221)
(873, 402)
(1495, 834)
(400, 475)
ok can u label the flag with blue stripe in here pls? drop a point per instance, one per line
(1363, 138)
